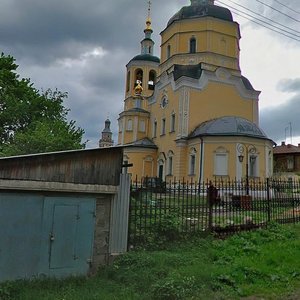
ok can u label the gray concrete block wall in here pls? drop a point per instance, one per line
(102, 232)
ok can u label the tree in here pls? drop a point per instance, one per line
(32, 121)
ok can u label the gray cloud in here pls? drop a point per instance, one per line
(289, 85)
(275, 120)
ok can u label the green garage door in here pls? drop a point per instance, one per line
(45, 236)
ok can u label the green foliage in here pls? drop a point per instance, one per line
(175, 288)
(8, 291)
(168, 227)
(255, 262)
(31, 121)
(260, 265)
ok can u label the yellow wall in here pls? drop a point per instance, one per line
(219, 100)
(212, 35)
(144, 162)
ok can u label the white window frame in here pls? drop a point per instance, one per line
(142, 126)
(129, 126)
(221, 164)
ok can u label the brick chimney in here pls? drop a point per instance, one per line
(282, 143)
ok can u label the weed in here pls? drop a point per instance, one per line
(8, 291)
(173, 289)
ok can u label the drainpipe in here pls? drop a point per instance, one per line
(201, 162)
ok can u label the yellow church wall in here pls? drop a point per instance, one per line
(207, 30)
(219, 100)
(144, 162)
(212, 41)
(230, 145)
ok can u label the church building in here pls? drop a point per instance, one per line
(191, 113)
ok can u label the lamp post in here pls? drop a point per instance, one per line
(248, 149)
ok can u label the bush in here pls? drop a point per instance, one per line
(168, 227)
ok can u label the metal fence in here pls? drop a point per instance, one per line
(166, 209)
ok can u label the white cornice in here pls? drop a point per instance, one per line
(221, 75)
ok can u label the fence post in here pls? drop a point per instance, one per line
(268, 199)
(210, 196)
(293, 199)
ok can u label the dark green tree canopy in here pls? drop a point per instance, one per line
(32, 121)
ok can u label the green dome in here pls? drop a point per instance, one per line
(200, 11)
(146, 57)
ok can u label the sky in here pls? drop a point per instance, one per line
(82, 47)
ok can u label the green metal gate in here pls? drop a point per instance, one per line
(45, 236)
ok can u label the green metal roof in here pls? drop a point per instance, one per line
(200, 11)
(146, 57)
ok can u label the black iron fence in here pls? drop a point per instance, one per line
(164, 210)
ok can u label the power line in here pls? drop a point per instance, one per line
(251, 19)
(248, 9)
(282, 31)
(295, 11)
(278, 11)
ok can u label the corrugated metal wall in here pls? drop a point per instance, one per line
(119, 218)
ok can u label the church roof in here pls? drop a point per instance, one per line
(199, 11)
(146, 57)
(136, 109)
(192, 71)
(147, 143)
(195, 71)
(228, 126)
(247, 84)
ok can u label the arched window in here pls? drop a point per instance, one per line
(152, 79)
(192, 163)
(120, 125)
(138, 77)
(128, 82)
(150, 49)
(221, 162)
(129, 125)
(170, 162)
(163, 126)
(253, 165)
(172, 120)
(154, 128)
(142, 126)
(192, 45)
(223, 46)
(168, 51)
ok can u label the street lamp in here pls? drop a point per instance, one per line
(248, 149)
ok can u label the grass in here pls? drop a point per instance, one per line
(263, 264)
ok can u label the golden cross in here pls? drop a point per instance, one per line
(149, 8)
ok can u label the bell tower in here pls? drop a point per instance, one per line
(140, 82)
(106, 139)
